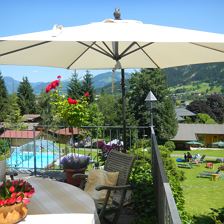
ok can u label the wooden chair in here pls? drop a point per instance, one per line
(123, 163)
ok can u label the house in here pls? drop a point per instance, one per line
(64, 134)
(31, 120)
(183, 113)
(18, 138)
(204, 133)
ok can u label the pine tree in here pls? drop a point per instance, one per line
(74, 87)
(26, 97)
(87, 85)
(44, 108)
(13, 119)
(164, 114)
(3, 99)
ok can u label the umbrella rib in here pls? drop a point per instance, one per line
(80, 54)
(108, 49)
(211, 48)
(24, 48)
(95, 49)
(141, 48)
(130, 52)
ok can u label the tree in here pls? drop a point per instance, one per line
(14, 119)
(44, 108)
(164, 114)
(87, 85)
(216, 104)
(74, 87)
(26, 97)
(107, 104)
(204, 119)
(213, 106)
(3, 99)
(199, 106)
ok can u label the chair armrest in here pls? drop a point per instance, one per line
(79, 175)
(82, 177)
(104, 187)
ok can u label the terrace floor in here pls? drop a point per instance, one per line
(127, 215)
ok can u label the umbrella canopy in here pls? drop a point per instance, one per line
(194, 143)
(112, 44)
(219, 144)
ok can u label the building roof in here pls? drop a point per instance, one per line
(189, 132)
(67, 132)
(30, 117)
(184, 112)
(19, 134)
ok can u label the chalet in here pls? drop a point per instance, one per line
(204, 133)
(31, 120)
(65, 134)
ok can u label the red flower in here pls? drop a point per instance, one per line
(48, 88)
(72, 101)
(11, 189)
(86, 94)
(58, 77)
(54, 84)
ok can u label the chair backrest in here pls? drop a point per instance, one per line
(121, 162)
(202, 158)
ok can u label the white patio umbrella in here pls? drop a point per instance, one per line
(113, 44)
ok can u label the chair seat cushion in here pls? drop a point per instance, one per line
(100, 177)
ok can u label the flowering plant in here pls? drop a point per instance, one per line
(74, 161)
(73, 111)
(15, 191)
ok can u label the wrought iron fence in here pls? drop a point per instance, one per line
(43, 147)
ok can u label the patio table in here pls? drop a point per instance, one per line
(59, 202)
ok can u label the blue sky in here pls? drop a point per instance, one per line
(17, 17)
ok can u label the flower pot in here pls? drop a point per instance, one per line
(11, 214)
(2, 170)
(70, 172)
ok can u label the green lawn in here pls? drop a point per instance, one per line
(215, 153)
(201, 194)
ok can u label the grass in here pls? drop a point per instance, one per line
(201, 194)
(215, 153)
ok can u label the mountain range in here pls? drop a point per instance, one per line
(211, 73)
(99, 81)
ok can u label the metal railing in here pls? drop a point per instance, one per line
(43, 147)
(167, 212)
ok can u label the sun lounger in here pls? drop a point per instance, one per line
(208, 173)
(184, 165)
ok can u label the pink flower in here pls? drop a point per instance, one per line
(86, 94)
(26, 201)
(58, 77)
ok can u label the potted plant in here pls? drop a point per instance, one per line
(4, 154)
(14, 196)
(73, 163)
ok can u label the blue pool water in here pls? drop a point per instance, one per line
(23, 156)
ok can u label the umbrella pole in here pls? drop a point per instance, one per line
(123, 109)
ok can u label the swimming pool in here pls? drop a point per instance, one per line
(23, 156)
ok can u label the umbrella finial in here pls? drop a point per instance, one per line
(117, 14)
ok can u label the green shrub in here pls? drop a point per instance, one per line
(143, 195)
(217, 215)
(4, 149)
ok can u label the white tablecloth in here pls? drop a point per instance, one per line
(64, 202)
